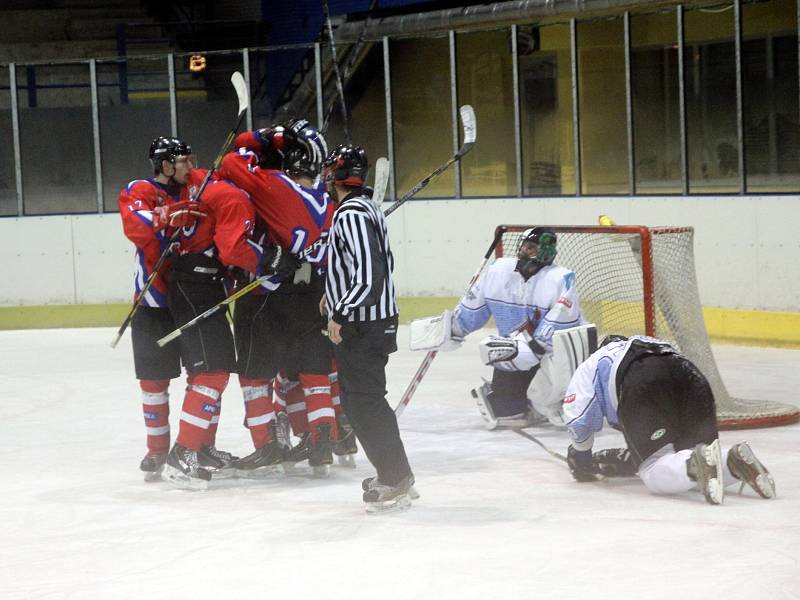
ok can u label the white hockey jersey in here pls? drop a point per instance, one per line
(548, 301)
(591, 395)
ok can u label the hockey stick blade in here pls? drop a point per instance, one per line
(469, 134)
(469, 124)
(382, 172)
(240, 86)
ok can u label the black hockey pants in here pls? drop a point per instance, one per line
(361, 359)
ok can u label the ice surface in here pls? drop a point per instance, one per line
(498, 517)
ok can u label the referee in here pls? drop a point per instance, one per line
(362, 323)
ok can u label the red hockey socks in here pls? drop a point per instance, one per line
(319, 406)
(259, 409)
(155, 406)
(201, 403)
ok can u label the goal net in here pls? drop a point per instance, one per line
(641, 280)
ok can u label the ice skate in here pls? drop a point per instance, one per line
(152, 464)
(182, 469)
(370, 482)
(489, 412)
(705, 467)
(320, 458)
(744, 465)
(345, 447)
(380, 498)
(264, 462)
(217, 461)
(297, 454)
(485, 406)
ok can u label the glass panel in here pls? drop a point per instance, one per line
(485, 80)
(8, 178)
(545, 89)
(656, 111)
(710, 71)
(604, 141)
(283, 85)
(207, 103)
(55, 121)
(423, 136)
(365, 98)
(134, 110)
(769, 78)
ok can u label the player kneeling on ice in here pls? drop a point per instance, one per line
(530, 298)
(665, 408)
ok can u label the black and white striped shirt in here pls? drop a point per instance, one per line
(359, 284)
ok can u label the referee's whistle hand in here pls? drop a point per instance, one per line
(334, 332)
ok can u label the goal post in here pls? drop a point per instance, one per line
(641, 280)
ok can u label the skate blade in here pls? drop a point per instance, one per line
(401, 503)
(226, 473)
(152, 476)
(347, 460)
(265, 472)
(762, 483)
(181, 480)
(321, 471)
(714, 491)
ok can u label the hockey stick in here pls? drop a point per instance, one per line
(381, 181)
(244, 102)
(382, 172)
(536, 440)
(339, 84)
(426, 362)
(469, 134)
(355, 49)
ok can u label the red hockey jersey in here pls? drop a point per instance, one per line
(225, 232)
(295, 216)
(136, 204)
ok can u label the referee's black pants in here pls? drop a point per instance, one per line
(361, 359)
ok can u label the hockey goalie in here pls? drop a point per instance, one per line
(530, 299)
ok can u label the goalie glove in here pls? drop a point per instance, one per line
(581, 465)
(177, 214)
(496, 349)
(615, 462)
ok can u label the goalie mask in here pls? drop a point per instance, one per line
(537, 250)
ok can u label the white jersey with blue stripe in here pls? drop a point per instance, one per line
(546, 303)
(591, 396)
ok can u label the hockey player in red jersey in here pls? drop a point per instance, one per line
(279, 167)
(172, 164)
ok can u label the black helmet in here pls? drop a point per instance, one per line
(347, 165)
(545, 239)
(301, 147)
(167, 148)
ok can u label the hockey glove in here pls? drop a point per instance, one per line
(615, 462)
(178, 214)
(581, 465)
(280, 262)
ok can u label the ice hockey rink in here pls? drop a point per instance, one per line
(497, 518)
